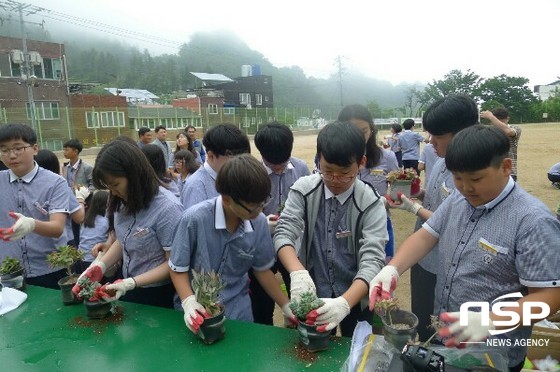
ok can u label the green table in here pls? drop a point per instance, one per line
(44, 335)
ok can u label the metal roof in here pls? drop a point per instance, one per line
(210, 77)
(138, 94)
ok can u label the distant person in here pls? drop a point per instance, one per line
(95, 227)
(185, 143)
(554, 175)
(394, 143)
(410, 145)
(191, 130)
(76, 171)
(427, 160)
(145, 136)
(185, 165)
(161, 142)
(499, 117)
(157, 161)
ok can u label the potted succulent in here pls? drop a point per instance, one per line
(207, 286)
(405, 181)
(66, 256)
(11, 273)
(399, 326)
(309, 337)
(93, 294)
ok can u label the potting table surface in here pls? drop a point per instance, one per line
(44, 335)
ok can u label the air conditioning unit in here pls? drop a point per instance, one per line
(35, 58)
(17, 56)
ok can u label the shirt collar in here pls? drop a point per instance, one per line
(28, 177)
(505, 192)
(270, 171)
(220, 218)
(341, 197)
(76, 165)
(210, 171)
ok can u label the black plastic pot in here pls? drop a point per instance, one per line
(97, 309)
(213, 329)
(14, 280)
(311, 339)
(68, 297)
(400, 337)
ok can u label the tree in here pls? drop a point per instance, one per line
(454, 82)
(511, 92)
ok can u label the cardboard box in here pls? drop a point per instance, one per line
(553, 347)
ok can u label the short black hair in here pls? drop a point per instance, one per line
(189, 160)
(341, 143)
(48, 160)
(408, 124)
(159, 127)
(500, 113)
(361, 112)
(74, 144)
(244, 178)
(189, 127)
(97, 206)
(275, 142)
(226, 139)
(476, 148)
(450, 114)
(22, 132)
(142, 131)
(396, 127)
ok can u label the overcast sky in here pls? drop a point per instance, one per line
(394, 40)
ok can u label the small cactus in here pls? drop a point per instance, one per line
(307, 303)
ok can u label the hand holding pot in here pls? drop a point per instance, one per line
(120, 287)
(195, 313)
(405, 204)
(94, 272)
(301, 282)
(330, 314)
(22, 226)
(382, 286)
(475, 330)
(290, 320)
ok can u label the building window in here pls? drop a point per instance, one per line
(112, 119)
(5, 65)
(92, 120)
(44, 110)
(229, 110)
(53, 68)
(244, 98)
(258, 98)
(212, 108)
(266, 98)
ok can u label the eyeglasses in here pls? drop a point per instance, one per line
(331, 177)
(253, 210)
(17, 151)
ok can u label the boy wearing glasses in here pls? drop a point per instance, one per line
(228, 234)
(33, 207)
(343, 226)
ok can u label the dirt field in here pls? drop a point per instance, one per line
(538, 151)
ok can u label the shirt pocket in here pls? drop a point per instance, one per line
(492, 253)
(143, 238)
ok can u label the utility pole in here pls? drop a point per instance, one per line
(340, 67)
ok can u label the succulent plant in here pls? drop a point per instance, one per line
(9, 265)
(383, 308)
(307, 302)
(65, 256)
(207, 286)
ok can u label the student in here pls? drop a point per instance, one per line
(501, 240)
(442, 120)
(221, 142)
(191, 131)
(499, 117)
(33, 204)
(184, 142)
(275, 142)
(77, 172)
(156, 159)
(379, 162)
(410, 145)
(427, 160)
(228, 234)
(344, 227)
(394, 143)
(161, 142)
(145, 135)
(185, 164)
(95, 227)
(145, 216)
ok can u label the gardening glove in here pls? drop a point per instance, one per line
(121, 286)
(82, 194)
(405, 204)
(272, 221)
(23, 226)
(330, 314)
(94, 272)
(195, 313)
(290, 320)
(382, 286)
(473, 331)
(301, 283)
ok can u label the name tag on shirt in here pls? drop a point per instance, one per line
(445, 191)
(484, 244)
(343, 234)
(41, 208)
(140, 232)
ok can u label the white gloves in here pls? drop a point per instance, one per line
(82, 193)
(194, 313)
(23, 226)
(121, 287)
(474, 331)
(406, 204)
(330, 314)
(272, 221)
(301, 282)
(94, 272)
(382, 286)
(290, 319)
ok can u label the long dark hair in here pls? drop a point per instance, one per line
(360, 112)
(97, 207)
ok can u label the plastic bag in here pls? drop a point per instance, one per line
(369, 352)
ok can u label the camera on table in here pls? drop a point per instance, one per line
(420, 359)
